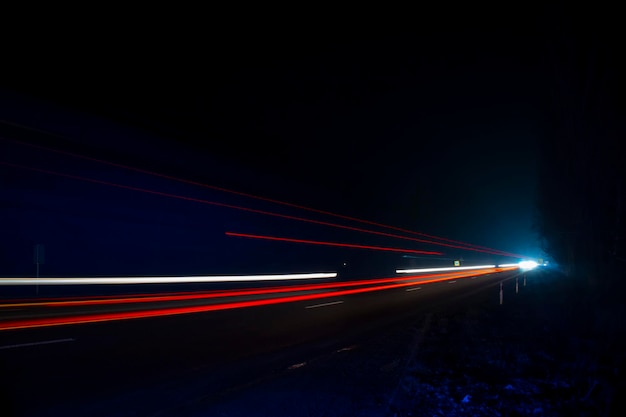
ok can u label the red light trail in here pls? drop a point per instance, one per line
(148, 298)
(231, 206)
(160, 312)
(344, 245)
(467, 246)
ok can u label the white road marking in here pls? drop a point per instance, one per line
(414, 289)
(347, 349)
(325, 304)
(46, 342)
(451, 282)
(297, 365)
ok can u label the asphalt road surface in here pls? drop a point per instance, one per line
(143, 366)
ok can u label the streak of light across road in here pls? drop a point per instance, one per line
(336, 244)
(163, 280)
(452, 243)
(241, 208)
(452, 268)
(213, 294)
(40, 314)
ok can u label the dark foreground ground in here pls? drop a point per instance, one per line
(553, 349)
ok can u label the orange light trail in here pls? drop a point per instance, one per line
(103, 317)
(467, 246)
(344, 245)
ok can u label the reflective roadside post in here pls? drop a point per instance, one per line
(501, 293)
(516, 285)
(38, 259)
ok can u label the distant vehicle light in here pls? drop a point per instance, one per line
(528, 265)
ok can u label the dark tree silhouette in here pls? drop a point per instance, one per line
(581, 193)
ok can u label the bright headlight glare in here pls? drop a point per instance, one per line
(527, 265)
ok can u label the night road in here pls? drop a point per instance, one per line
(266, 211)
(101, 368)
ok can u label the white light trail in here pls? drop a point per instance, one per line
(507, 265)
(453, 268)
(161, 280)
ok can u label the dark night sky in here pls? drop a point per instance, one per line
(432, 125)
